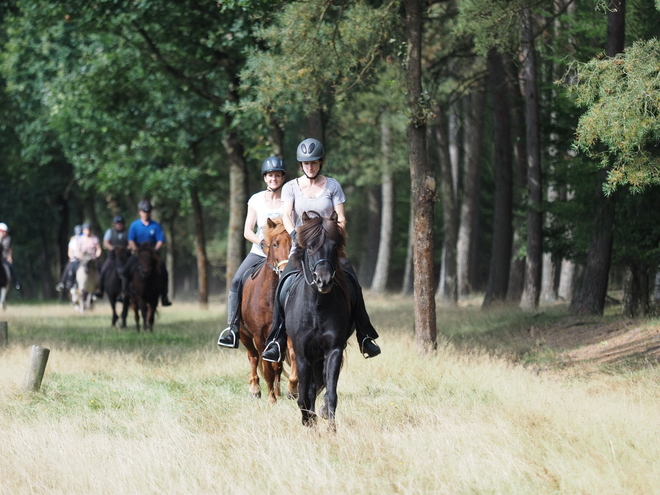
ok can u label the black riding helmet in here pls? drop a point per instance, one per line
(118, 219)
(144, 205)
(272, 164)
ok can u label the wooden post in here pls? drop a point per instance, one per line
(4, 334)
(38, 360)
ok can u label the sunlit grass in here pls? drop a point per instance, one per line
(168, 412)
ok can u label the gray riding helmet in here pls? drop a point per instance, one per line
(309, 150)
(272, 164)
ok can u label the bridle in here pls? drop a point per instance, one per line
(312, 269)
(277, 268)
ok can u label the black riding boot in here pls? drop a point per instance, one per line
(229, 336)
(364, 331)
(276, 341)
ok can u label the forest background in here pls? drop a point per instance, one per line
(498, 148)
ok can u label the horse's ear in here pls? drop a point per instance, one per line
(305, 216)
(334, 216)
(270, 223)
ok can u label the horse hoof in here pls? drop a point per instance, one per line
(291, 395)
(324, 412)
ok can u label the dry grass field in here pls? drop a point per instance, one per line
(502, 407)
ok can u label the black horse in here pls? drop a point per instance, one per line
(318, 314)
(145, 286)
(112, 285)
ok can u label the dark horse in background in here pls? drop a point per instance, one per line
(145, 288)
(257, 311)
(112, 285)
(318, 314)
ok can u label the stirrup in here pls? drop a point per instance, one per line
(369, 348)
(228, 338)
(271, 358)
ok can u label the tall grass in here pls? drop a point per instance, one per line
(120, 412)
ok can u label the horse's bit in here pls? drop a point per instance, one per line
(312, 269)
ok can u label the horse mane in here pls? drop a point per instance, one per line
(147, 247)
(314, 231)
(273, 228)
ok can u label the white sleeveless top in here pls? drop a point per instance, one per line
(258, 202)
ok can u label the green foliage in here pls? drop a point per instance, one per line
(317, 52)
(621, 125)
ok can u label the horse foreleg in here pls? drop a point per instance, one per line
(292, 388)
(115, 317)
(253, 359)
(3, 297)
(331, 376)
(124, 313)
(305, 399)
(149, 317)
(136, 313)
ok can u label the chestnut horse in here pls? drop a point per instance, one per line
(257, 312)
(146, 286)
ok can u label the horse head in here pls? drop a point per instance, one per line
(148, 261)
(322, 242)
(278, 243)
(88, 263)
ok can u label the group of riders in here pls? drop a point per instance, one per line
(310, 192)
(85, 245)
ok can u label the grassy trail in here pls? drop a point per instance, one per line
(168, 412)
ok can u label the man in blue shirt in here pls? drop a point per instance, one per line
(142, 230)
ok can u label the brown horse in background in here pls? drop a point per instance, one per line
(257, 313)
(146, 286)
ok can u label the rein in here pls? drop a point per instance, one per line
(312, 269)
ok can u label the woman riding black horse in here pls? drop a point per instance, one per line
(324, 195)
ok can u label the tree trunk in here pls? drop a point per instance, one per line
(498, 273)
(371, 236)
(407, 286)
(473, 135)
(591, 293)
(200, 248)
(168, 222)
(636, 295)
(422, 185)
(517, 270)
(566, 280)
(379, 282)
(549, 269)
(533, 265)
(447, 286)
(276, 135)
(237, 204)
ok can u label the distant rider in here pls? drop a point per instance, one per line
(7, 253)
(115, 237)
(142, 230)
(69, 272)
